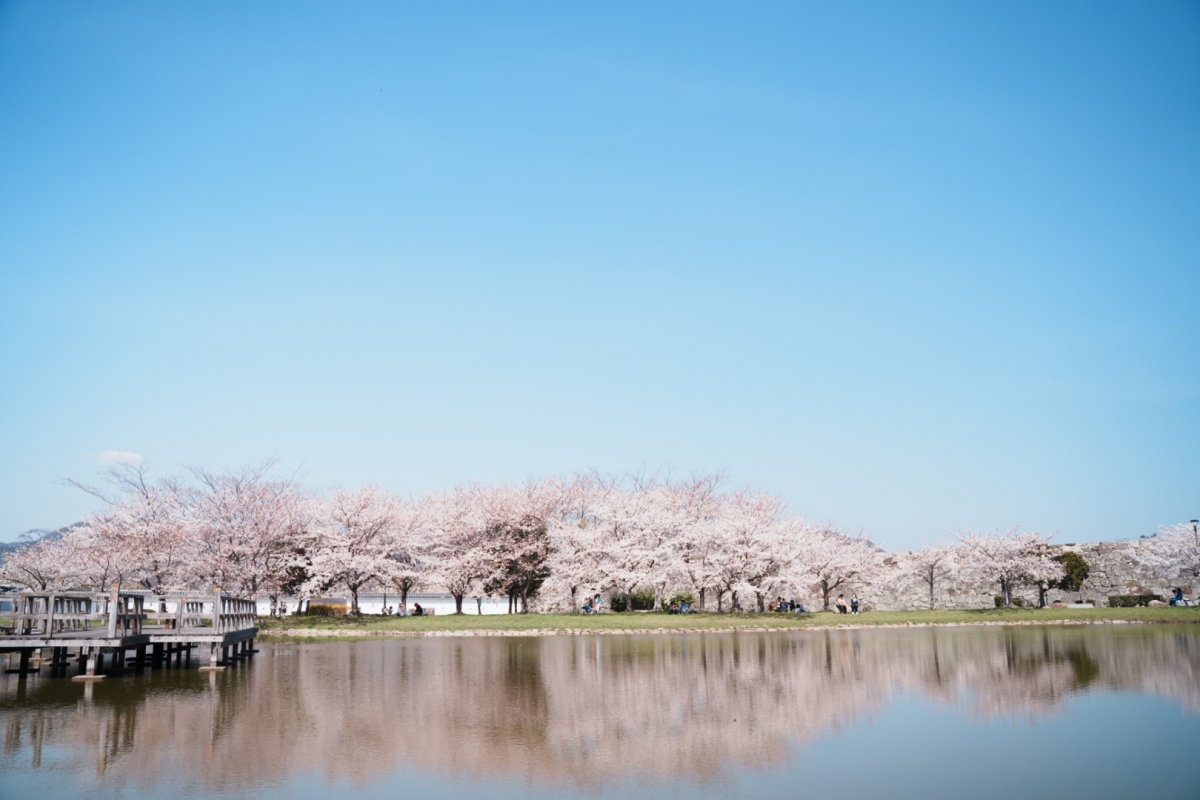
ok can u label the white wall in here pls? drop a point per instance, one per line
(373, 603)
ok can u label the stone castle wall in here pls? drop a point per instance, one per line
(1116, 568)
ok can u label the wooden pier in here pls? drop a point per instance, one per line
(102, 630)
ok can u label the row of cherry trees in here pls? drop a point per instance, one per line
(556, 541)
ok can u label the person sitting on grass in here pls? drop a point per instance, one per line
(597, 603)
(417, 610)
(854, 603)
(1177, 598)
(840, 604)
(673, 608)
(587, 607)
(685, 608)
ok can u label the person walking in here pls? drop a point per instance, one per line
(479, 604)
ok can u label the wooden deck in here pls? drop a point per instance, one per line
(99, 626)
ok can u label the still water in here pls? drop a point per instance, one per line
(928, 713)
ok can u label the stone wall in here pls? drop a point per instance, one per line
(1116, 568)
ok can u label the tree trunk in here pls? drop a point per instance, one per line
(458, 603)
(733, 601)
(524, 602)
(657, 600)
(825, 590)
(762, 606)
(629, 601)
(702, 606)
(931, 595)
(404, 598)
(574, 599)
(354, 601)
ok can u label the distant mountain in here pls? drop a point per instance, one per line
(35, 535)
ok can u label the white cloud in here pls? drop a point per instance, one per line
(118, 457)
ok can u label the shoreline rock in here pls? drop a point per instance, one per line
(325, 633)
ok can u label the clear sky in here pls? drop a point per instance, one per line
(916, 267)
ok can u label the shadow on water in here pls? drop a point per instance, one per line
(578, 711)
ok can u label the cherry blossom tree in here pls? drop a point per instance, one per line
(458, 525)
(407, 565)
(576, 551)
(139, 539)
(753, 546)
(1175, 551)
(832, 559)
(1008, 559)
(517, 542)
(244, 528)
(929, 567)
(353, 540)
(44, 563)
(700, 540)
(633, 538)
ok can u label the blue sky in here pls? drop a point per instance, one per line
(917, 268)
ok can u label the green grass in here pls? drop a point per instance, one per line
(368, 626)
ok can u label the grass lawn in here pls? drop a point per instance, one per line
(384, 626)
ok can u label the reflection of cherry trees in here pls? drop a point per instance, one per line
(566, 710)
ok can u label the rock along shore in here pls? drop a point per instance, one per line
(326, 633)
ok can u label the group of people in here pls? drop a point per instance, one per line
(401, 611)
(593, 605)
(679, 607)
(785, 606)
(842, 607)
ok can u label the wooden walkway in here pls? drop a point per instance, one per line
(101, 630)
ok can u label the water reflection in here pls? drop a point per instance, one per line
(573, 711)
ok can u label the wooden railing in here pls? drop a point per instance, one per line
(233, 613)
(176, 612)
(49, 614)
(118, 614)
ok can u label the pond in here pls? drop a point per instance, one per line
(1096, 712)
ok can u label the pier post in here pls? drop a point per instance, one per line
(58, 662)
(89, 673)
(156, 655)
(113, 597)
(216, 614)
(24, 667)
(213, 665)
(139, 661)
